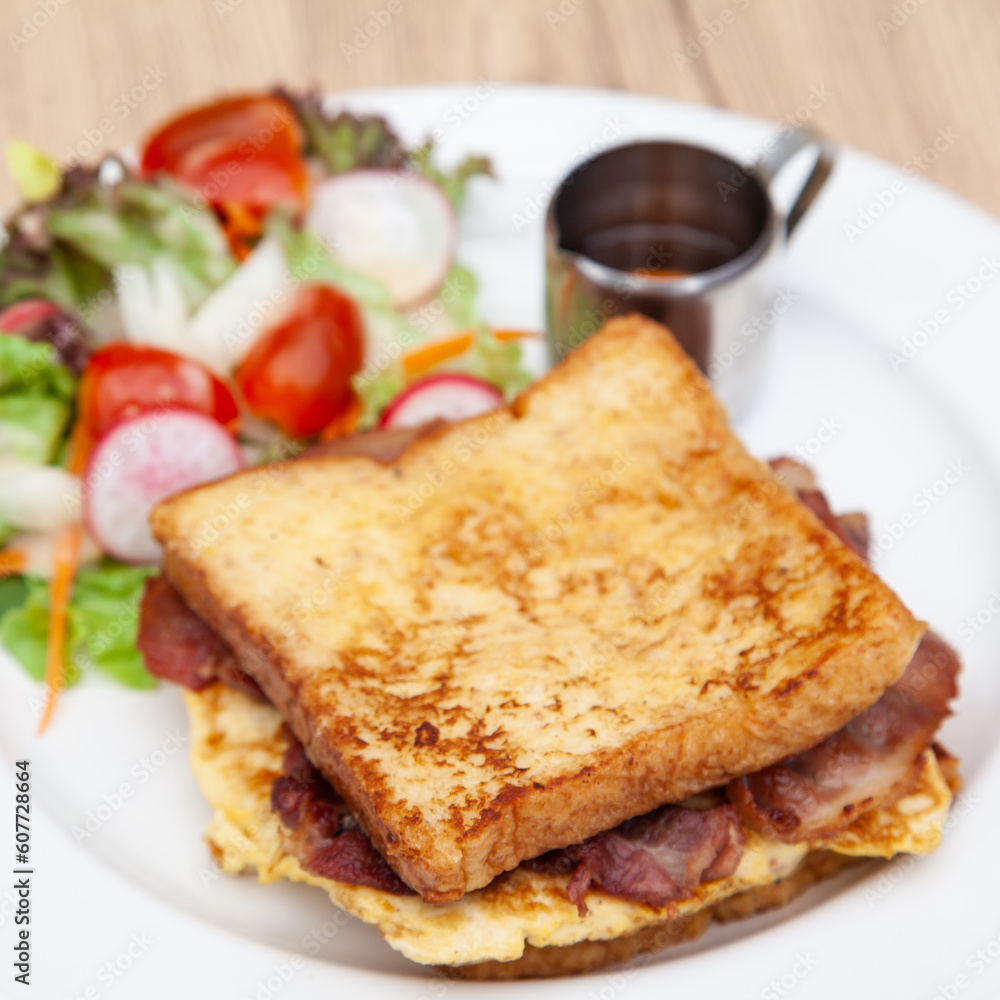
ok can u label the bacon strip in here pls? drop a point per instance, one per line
(851, 529)
(382, 445)
(322, 831)
(871, 762)
(176, 645)
(658, 858)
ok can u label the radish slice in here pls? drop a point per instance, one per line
(143, 460)
(26, 313)
(441, 397)
(396, 227)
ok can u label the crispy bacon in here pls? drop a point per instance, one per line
(178, 646)
(322, 832)
(382, 445)
(658, 858)
(871, 762)
(851, 529)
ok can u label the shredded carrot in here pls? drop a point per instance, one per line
(242, 227)
(424, 358)
(516, 334)
(12, 561)
(65, 558)
(67, 551)
(344, 423)
(80, 443)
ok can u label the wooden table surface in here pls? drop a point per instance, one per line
(889, 76)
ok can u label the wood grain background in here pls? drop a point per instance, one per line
(895, 75)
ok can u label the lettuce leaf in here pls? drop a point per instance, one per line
(102, 624)
(29, 366)
(454, 182)
(13, 590)
(65, 248)
(139, 221)
(36, 397)
(354, 142)
(24, 630)
(345, 141)
(376, 393)
(494, 361)
(490, 359)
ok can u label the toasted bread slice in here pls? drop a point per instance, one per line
(543, 621)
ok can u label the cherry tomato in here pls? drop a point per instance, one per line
(122, 380)
(298, 373)
(240, 150)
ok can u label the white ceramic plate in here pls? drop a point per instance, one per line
(132, 907)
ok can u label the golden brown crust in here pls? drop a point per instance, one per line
(587, 956)
(582, 657)
(815, 867)
(590, 956)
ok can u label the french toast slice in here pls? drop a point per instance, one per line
(543, 621)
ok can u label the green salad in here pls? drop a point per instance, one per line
(267, 274)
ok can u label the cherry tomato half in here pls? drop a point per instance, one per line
(241, 150)
(122, 380)
(298, 373)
